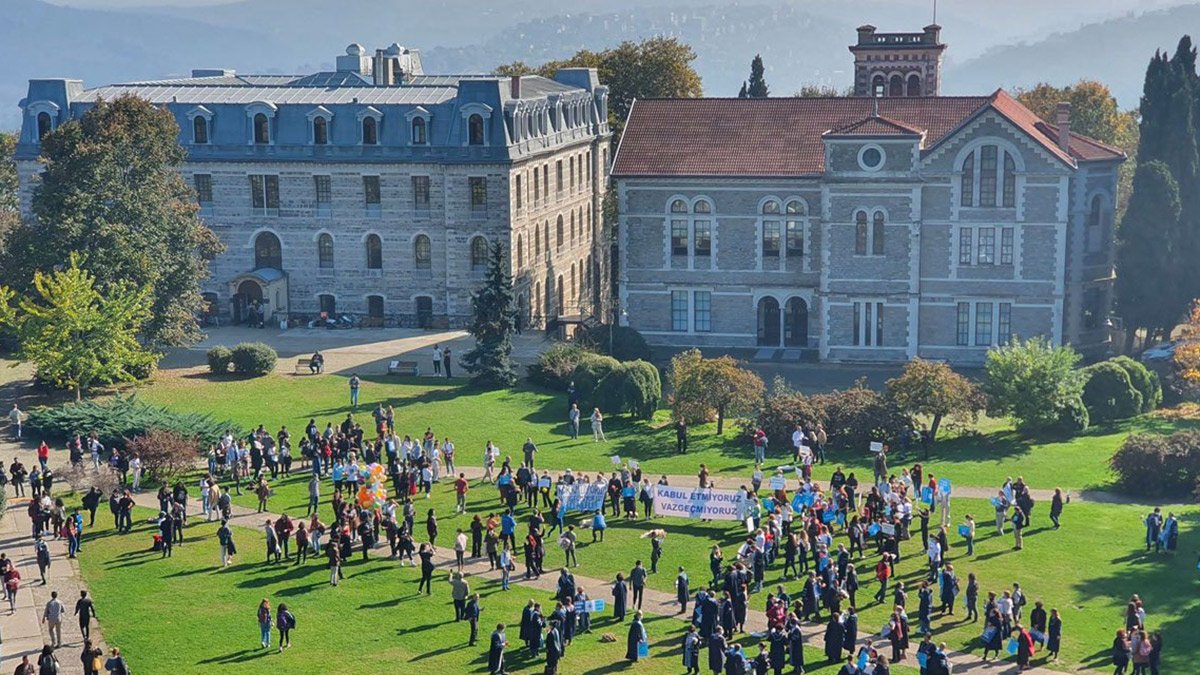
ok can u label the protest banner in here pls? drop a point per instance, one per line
(778, 483)
(616, 460)
(582, 496)
(709, 504)
(876, 447)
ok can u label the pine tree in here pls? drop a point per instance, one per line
(743, 92)
(493, 324)
(758, 84)
(1145, 242)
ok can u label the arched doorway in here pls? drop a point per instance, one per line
(768, 322)
(795, 323)
(249, 296)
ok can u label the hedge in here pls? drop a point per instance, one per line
(219, 359)
(254, 358)
(1150, 465)
(120, 418)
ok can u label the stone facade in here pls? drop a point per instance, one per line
(381, 184)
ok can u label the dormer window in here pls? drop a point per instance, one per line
(44, 125)
(368, 122)
(475, 118)
(419, 132)
(260, 115)
(201, 118)
(319, 120)
(262, 129)
(475, 130)
(42, 114)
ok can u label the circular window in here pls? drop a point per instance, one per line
(870, 158)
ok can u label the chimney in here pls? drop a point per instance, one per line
(866, 34)
(1062, 121)
(516, 86)
(378, 68)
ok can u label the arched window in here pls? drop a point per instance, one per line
(422, 252)
(370, 131)
(374, 252)
(877, 234)
(520, 252)
(419, 135)
(771, 230)
(896, 86)
(860, 233)
(561, 307)
(475, 129)
(325, 251)
(44, 125)
(572, 227)
(320, 131)
(878, 86)
(703, 206)
(1010, 182)
(794, 229)
(537, 240)
(968, 180)
(914, 85)
(573, 295)
(546, 234)
(679, 206)
(268, 252)
(199, 130)
(262, 129)
(479, 254)
(987, 175)
(559, 228)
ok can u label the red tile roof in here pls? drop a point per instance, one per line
(875, 125)
(783, 136)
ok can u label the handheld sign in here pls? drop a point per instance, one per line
(927, 494)
(829, 516)
(633, 464)
(964, 530)
(778, 483)
(944, 486)
(616, 460)
(873, 529)
(876, 447)
(922, 659)
(544, 482)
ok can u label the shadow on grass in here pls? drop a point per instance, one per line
(237, 657)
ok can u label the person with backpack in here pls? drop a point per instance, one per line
(285, 621)
(264, 623)
(116, 665)
(92, 658)
(47, 662)
(43, 557)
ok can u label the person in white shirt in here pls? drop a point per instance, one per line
(797, 440)
(935, 556)
(135, 467)
(437, 359)
(15, 417)
(460, 548)
(489, 461)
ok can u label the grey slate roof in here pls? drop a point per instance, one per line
(278, 94)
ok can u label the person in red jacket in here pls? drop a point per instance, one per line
(43, 455)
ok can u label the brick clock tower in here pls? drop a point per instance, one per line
(898, 64)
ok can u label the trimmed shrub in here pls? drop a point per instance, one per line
(120, 418)
(1144, 380)
(587, 375)
(781, 410)
(253, 358)
(633, 387)
(627, 344)
(555, 366)
(1158, 466)
(219, 359)
(165, 455)
(1073, 418)
(859, 415)
(1109, 394)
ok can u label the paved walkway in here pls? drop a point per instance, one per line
(23, 632)
(654, 602)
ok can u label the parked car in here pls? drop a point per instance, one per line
(1161, 352)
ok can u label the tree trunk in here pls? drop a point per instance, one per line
(78, 393)
(720, 420)
(933, 429)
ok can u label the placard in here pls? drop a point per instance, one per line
(594, 605)
(876, 446)
(887, 528)
(582, 496)
(633, 464)
(778, 483)
(709, 504)
(544, 482)
(616, 460)
(944, 486)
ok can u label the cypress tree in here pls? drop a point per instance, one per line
(758, 84)
(1145, 242)
(743, 93)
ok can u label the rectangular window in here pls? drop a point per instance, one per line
(324, 194)
(1006, 246)
(371, 195)
(203, 185)
(878, 324)
(965, 245)
(478, 187)
(518, 192)
(983, 324)
(987, 245)
(795, 239)
(964, 324)
(770, 240)
(679, 311)
(264, 195)
(679, 237)
(987, 175)
(968, 182)
(702, 311)
(420, 186)
(1004, 323)
(558, 177)
(867, 325)
(857, 321)
(703, 238)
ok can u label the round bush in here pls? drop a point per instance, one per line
(253, 358)
(623, 343)
(554, 366)
(587, 375)
(1144, 380)
(1073, 418)
(632, 387)
(219, 359)
(1109, 394)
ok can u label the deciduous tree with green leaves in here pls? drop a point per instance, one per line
(704, 389)
(932, 389)
(9, 187)
(112, 188)
(1034, 381)
(493, 323)
(77, 336)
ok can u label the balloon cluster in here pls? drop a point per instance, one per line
(372, 494)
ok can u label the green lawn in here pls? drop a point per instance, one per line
(984, 457)
(374, 620)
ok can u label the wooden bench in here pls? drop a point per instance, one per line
(303, 364)
(404, 368)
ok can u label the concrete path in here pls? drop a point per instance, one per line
(23, 632)
(654, 602)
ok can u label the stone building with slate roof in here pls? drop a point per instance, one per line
(374, 190)
(872, 228)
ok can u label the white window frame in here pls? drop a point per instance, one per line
(971, 235)
(484, 111)
(266, 108)
(690, 294)
(974, 149)
(974, 306)
(882, 158)
(426, 116)
(867, 312)
(361, 117)
(691, 217)
(37, 108)
(871, 211)
(266, 209)
(312, 115)
(200, 111)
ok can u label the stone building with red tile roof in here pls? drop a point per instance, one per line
(865, 228)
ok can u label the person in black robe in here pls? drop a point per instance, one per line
(809, 597)
(716, 651)
(554, 649)
(850, 628)
(496, 651)
(739, 608)
(835, 638)
(778, 641)
(849, 667)
(725, 610)
(1054, 634)
(691, 651)
(762, 662)
(637, 635)
(795, 645)
(682, 591)
(735, 661)
(536, 623)
(525, 632)
(708, 614)
(620, 593)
